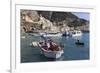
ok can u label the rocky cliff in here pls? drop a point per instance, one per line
(45, 20)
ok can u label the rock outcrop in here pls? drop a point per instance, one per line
(46, 20)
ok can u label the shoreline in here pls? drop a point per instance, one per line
(32, 32)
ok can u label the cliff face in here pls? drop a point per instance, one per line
(29, 14)
(61, 16)
(67, 18)
(42, 20)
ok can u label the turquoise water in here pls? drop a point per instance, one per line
(71, 50)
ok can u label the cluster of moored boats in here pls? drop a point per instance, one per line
(63, 34)
(59, 34)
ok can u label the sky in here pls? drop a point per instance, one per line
(82, 15)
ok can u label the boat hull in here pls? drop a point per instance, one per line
(51, 54)
(51, 34)
(75, 33)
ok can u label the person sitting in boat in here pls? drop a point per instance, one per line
(53, 46)
(79, 43)
(44, 45)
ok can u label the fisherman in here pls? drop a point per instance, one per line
(53, 46)
(78, 41)
(45, 45)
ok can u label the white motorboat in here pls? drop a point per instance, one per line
(51, 54)
(75, 33)
(50, 34)
(66, 34)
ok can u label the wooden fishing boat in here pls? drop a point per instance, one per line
(49, 53)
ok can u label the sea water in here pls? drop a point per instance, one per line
(71, 50)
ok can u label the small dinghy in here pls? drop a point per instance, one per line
(79, 43)
(57, 53)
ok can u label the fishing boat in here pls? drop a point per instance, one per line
(49, 53)
(51, 34)
(75, 33)
(65, 34)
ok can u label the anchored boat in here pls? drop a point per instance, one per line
(51, 53)
(75, 33)
(51, 34)
(79, 43)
